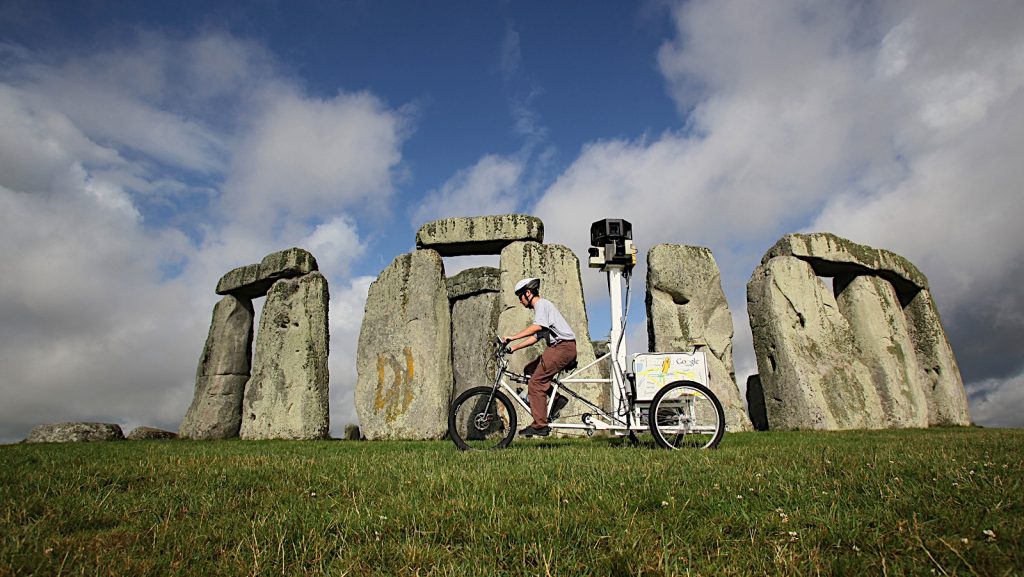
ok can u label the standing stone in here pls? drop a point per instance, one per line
(809, 367)
(880, 333)
(940, 378)
(352, 433)
(601, 347)
(478, 235)
(216, 409)
(75, 433)
(287, 396)
(403, 364)
(755, 403)
(685, 307)
(474, 296)
(559, 272)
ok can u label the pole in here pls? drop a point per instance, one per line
(618, 348)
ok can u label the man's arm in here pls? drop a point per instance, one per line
(529, 333)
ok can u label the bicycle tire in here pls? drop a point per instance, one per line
(473, 425)
(685, 414)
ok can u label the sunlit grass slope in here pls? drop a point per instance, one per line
(942, 501)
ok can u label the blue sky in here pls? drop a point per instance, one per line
(147, 148)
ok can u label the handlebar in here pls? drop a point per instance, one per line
(501, 347)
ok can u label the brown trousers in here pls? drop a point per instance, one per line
(541, 371)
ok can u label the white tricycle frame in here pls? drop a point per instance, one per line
(673, 416)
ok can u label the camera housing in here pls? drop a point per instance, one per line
(611, 243)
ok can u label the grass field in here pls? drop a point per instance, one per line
(920, 502)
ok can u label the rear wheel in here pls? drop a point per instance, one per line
(482, 418)
(686, 415)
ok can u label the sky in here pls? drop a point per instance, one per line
(146, 148)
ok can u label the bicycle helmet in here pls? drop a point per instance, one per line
(533, 284)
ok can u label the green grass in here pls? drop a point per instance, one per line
(888, 502)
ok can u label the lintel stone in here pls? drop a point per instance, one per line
(831, 255)
(461, 236)
(484, 279)
(254, 280)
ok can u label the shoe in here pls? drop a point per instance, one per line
(556, 409)
(532, 431)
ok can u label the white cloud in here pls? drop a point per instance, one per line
(997, 402)
(491, 186)
(346, 314)
(337, 243)
(104, 304)
(896, 125)
(304, 156)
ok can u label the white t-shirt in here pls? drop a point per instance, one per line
(547, 316)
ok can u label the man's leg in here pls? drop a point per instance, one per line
(552, 360)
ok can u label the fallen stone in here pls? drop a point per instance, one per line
(254, 280)
(216, 409)
(149, 433)
(352, 433)
(478, 235)
(559, 272)
(831, 255)
(403, 363)
(473, 281)
(880, 334)
(806, 358)
(287, 395)
(75, 433)
(686, 307)
(941, 381)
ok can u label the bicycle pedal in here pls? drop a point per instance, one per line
(556, 408)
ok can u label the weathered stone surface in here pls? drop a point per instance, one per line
(150, 433)
(686, 306)
(831, 255)
(254, 280)
(880, 334)
(940, 379)
(216, 409)
(806, 357)
(403, 364)
(484, 279)
(755, 403)
(478, 235)
(287, 395)
(559, 272)
(74, 433)
(474, 327)
(604, 369)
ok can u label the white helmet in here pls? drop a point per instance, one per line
(531, 283)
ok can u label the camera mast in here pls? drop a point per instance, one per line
(612, 251)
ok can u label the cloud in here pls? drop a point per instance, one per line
(491, 186)
(305, 156)
(997, 402)
(346, 314)
(896, 125)
(131, 179)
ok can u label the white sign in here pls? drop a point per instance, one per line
(655, 370)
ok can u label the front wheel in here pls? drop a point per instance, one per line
(482, 418)
(686, 415)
